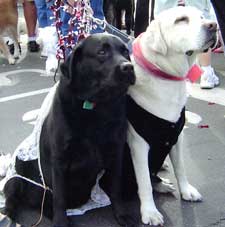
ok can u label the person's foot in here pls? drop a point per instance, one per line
(33, 46)
(209, 79)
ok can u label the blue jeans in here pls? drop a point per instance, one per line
(44, 13)
(97, 7)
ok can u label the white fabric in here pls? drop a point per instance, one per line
(51, 46)
(5, 160)
(29, 150)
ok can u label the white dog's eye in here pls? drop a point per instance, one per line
(182, 19)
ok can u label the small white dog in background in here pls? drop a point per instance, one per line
(162, 57)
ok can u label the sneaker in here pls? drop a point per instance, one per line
(33, 46)
(209, 79)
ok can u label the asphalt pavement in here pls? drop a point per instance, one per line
(23, 87)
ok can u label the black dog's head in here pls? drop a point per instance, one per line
(99, 69)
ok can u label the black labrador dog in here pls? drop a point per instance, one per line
(84, 132)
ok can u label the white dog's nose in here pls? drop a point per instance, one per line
(211, 26)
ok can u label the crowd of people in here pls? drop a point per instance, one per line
(46, 12)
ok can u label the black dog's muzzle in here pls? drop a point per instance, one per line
(126, 73)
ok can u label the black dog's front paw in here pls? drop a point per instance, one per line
(61, 223)
(126, 220)
(122, 215)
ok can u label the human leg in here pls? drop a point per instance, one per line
(220, 15)
(141, 17)
(41, 13)
(30, 15)
(219, 6)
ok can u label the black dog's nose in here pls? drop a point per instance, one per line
(126, 74)
(126, 67)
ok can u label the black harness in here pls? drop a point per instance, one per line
(160, 134)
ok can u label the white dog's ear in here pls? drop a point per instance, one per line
(155, 39)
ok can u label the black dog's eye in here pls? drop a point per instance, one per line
(101, 52)
(125, 52)
(182, 19)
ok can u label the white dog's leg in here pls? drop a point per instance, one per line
(187, 191)
(139, 153)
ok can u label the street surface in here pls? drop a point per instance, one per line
(22, 89)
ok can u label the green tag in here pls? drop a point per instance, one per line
(88, 105)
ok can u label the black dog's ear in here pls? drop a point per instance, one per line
(68, 68)
(75, 58)
(64, 67)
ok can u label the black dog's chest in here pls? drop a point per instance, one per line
(97, 129)
(92, 132)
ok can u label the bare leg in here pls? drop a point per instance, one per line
(30, 15)
(205, 58)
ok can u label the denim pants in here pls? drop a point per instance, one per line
(97, 7)
(44, 13)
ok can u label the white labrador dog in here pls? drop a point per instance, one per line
(162, 57)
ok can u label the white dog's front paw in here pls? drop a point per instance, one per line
(151, 216)
(190, 193)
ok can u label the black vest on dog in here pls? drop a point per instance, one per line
(160, 134)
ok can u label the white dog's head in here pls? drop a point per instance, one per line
(182, 30)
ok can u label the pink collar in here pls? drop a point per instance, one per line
(193, 74)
